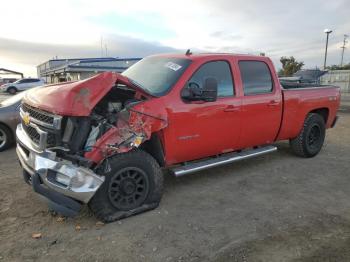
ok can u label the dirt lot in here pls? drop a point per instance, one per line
(273, 208)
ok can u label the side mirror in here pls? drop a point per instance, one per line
(208, 93)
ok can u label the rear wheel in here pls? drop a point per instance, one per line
(133, 185)
(12, 90)
(310, 140)
(6, 137)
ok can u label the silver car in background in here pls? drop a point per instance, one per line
(9, 119)
(21, 85)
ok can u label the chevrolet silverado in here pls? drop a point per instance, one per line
(105, 141)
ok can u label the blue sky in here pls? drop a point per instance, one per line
(43, 29)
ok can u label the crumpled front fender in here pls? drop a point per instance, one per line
(119, 139)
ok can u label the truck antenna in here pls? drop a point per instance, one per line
(188, 52)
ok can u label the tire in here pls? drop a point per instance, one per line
(12, 90)
(133, 184)
(310, 140)
(6, 137)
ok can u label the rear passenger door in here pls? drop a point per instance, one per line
(261, 104)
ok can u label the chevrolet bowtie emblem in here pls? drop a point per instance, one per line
(26, 119)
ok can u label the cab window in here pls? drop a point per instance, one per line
(256, 77)
(220, 70)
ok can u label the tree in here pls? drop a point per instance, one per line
(337, 67)
(289, 66)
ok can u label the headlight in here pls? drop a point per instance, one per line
(62, 179)
(74, 178)
(80, 179)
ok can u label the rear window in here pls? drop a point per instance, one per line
(256, 77)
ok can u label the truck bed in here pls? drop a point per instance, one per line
(294, 85)
(298, 102)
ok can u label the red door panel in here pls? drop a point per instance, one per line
(200, 130)
(261, 118)
(261, 102)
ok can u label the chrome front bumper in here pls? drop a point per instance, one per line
(58, 175)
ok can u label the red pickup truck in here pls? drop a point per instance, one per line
(104, 141)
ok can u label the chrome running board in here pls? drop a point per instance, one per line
(221, 160)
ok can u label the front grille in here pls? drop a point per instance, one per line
(32, 133)
(38, 114)
(40, 120)
(35, 136)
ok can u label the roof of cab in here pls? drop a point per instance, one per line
(195, 56)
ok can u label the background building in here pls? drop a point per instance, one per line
(339, 78)
(61, 70)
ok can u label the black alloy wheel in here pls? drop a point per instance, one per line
(310, 140)
(128, 188)
(314, 137)
(133, 184)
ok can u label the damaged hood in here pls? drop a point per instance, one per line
(76, 98)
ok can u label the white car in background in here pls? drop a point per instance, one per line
(21, 85)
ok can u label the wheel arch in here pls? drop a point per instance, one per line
(8, 127)
(154, 147)
(12, 134)
(7, 89)
(324, 112)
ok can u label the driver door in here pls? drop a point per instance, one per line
(199, 129)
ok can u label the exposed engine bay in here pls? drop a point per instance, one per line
(80, 134)
(86, 122)
(72, 133)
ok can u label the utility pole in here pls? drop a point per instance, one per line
(343, 47)
(327, 31)
(101, 47)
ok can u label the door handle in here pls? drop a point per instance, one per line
(231, 108)
(273, 103)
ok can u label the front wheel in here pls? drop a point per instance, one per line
(6, 137)
(310, 140)
(12, 90)
(133, 184)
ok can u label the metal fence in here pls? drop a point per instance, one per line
(339, 78)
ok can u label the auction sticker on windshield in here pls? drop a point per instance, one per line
(173, 66)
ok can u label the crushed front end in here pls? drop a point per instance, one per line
(63, 153)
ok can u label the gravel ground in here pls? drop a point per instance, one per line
(276, 207)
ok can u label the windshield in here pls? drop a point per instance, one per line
(12, 100)
(157, 75)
